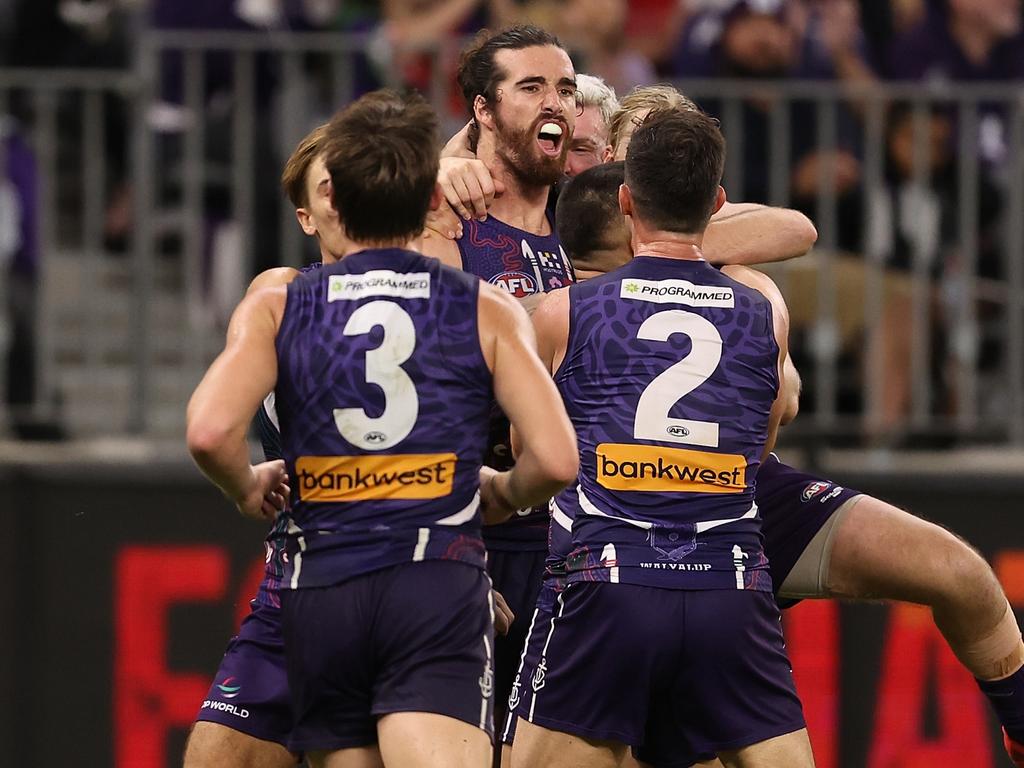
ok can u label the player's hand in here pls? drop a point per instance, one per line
(494, 504)
(503, 616)
(444, 223)
(468, 186)
(269, 491)
(458, 145)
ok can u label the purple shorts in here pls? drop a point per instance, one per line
(416, 637)
(517, 576)
(670, 671)
(250, 690)
(520, 696)
(794, 506)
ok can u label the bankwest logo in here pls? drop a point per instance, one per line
(653, 468)
(677, 292)
(379, 282)
(359, 478)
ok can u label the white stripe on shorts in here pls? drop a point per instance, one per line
(421, 545)
(519, 671)
(544, 652)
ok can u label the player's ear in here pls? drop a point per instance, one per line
(436, 197)
(625, 200)
(609, 154)
(305, 221)
(482, 111)
(720, 200)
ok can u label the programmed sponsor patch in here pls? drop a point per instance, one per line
(677, 292)
(379, 282)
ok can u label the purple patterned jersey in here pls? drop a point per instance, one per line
(670, 374)
(372, 354)
(274, 544)
(523, 264)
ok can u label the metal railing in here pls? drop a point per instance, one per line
(205, 146)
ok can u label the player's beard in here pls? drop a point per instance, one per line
(518, 148)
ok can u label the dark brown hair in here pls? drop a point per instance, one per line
(587, 216)
(382, 153)
(293, 179)
(479, 74)
(674, 165)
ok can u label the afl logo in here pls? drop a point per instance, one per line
(375, 438)
(677, 430)
(814, 489)
(519, 284)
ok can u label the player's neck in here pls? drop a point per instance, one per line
(685, 246)
(524, 208)
(522, 205)
(400, 244)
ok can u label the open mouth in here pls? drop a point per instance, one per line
(549, 138)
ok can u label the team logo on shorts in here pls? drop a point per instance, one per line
(229, 691)
(519, 284)
(538, 676)
(513, 698)
(815, 488)
(487, 683)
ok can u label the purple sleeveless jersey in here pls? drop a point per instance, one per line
(523, 264)
(372, 353)
(274, 544)
(669, 378)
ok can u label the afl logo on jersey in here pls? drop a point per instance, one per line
(814, 489)
(519, 284)
(677, 431)
(375, 438)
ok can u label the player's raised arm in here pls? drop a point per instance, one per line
(548, 460)
(747, 233)
(784, 404)
(224, 403)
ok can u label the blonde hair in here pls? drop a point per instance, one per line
(293, 178)
(595, 92)
(645, 98)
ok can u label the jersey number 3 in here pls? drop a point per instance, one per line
(383, 368)
(680, 379)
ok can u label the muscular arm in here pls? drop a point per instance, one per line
(226, 399)
(272, 277)
(548, 459)
(780, 319)
(747, 233)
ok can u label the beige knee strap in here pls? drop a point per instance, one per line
(998, 654)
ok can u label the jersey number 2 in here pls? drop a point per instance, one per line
(652, 421)
(383, 368)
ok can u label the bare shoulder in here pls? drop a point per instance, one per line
(273, 277)
(499, 306)
(755, 279)
(553, 308)
(262, 304)
(441, 248)
(761, 283)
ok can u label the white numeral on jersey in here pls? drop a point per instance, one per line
(383, 368)
(669, 387)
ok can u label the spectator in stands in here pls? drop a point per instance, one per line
(914, 226)
(966, 40)
(593, 32)
(783, 39)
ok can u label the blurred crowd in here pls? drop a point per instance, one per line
(415, 43)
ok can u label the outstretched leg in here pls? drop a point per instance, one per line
(882, 552)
